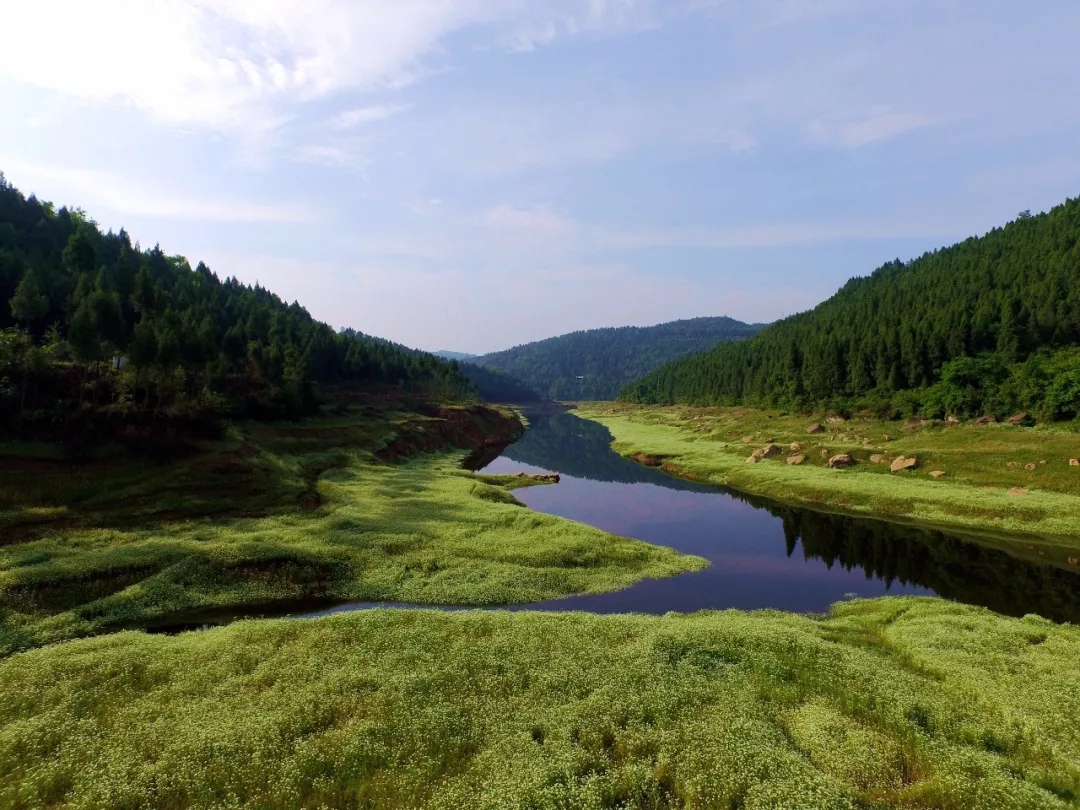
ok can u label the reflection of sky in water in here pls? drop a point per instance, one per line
(750, 567)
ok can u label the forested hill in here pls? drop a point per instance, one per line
(989, 325)
(91, 322)
(595, 364)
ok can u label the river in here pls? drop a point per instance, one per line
(762, 554)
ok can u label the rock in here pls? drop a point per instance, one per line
(887, 437)
(747, 439)
(904, 464)
(1020, 418)
(952, 419)
(1074, 462)
(841, 460)
(867, 443)
(1042, 462)
(815, 428)
(824, 453)
(877, 458)
(768, 451)
(1018, 491)
(770, 440)
(835, 419)
(1074, 561)
(795, 461)
(1031, 466)
(796, 447)
(753, 460)
(1012, 464)
(989, 419)
(937, 473)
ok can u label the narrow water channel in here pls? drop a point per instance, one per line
(762, 554)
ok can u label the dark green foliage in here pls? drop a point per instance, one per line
(498, 386)
(91, 321)
(595, 364)
(942, 333)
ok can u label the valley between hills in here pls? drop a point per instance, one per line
(247, 560)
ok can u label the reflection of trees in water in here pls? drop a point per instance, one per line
(957, 569)
(953, 567)
(573, 446)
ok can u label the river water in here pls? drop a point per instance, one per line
(762, 554)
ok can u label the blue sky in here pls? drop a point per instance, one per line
(480, 173)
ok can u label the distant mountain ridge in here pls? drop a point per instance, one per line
(446, 354)
(990, 325)
(597, 363)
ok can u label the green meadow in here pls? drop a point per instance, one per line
(1039, 517)
(891, 703)
(308, 514)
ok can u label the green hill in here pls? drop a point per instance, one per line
(95, 328)
(988, 325)
(595, 364)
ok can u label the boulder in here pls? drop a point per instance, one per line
(835, 419)
(904, 464)
(770, 440)
(952, 419)
(796, 447)
(1074, 462)
(1018, 491)
(937, 473)
(841, 460)
(748, 439)
(752, 460)
(877, 458)
(795, 461)
(1020, 418)
(824, 453)
(989, 419)
(815, 428)
(768, 451)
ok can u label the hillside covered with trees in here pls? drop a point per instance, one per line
(596, 363)
(990, 325)
(91, 324)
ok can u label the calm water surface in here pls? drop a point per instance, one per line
(763, 554)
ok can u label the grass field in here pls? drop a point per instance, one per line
(981, 464)
(892, 703)
(286, 514)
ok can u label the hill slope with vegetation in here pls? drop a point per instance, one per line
(91, 324)
(596, 363)
(991, 324)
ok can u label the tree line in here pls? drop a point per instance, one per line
(91, 322)
(990, 325)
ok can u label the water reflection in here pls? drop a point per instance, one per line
(764, 554)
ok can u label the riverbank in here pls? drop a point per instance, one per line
(892, 703)
(368, 505)
(1013, 485)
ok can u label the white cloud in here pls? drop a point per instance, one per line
(366, 115)
(878, 124)
(237, 64)
(93, 189)
(536, 220)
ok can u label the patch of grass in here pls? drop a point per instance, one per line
(293, 514)
(891, 703)
(981, 464)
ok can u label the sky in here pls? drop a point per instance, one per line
(475, 174)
